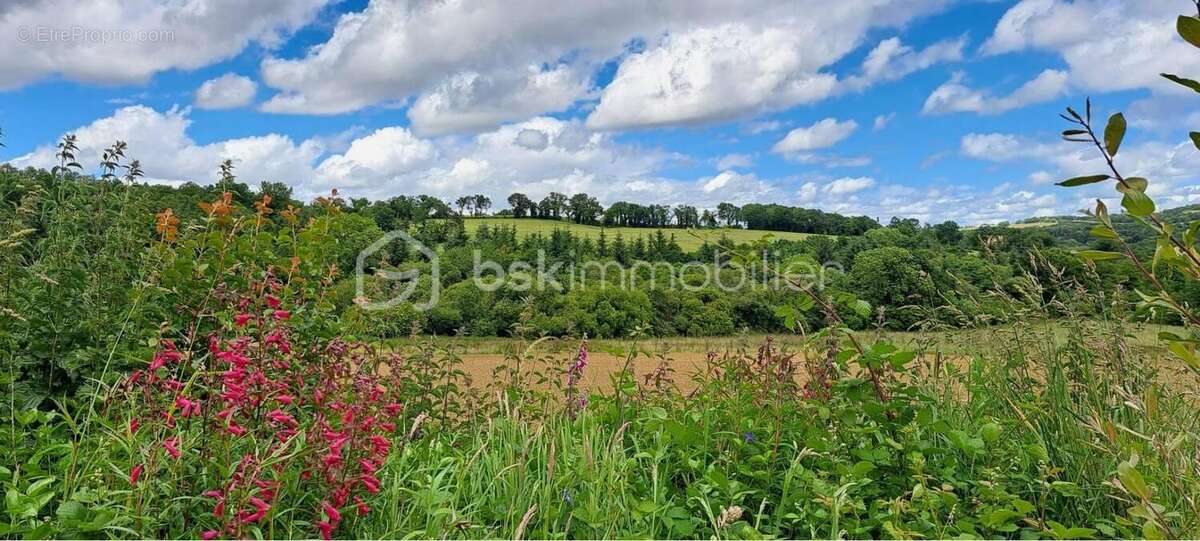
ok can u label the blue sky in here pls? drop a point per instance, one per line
(931, 109)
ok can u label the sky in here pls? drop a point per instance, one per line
(929, 109)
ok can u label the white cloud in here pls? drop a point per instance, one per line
(532, 139)
(547, 154)
(822, 134)
(728, 186)
(466, 64)
(882, 121)
(471, 101)
(127, 42)
(1170, 167)
(376, 158)
(226, 92)
(891, 60)
(730, 161)
(955, 97)
(1107, 45)
(711, 74)
(848, 185)
(534, 157)
(160, 142)
(1041, 177)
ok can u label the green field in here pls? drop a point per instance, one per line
(689, 240)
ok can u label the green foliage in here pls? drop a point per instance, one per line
(890, 276)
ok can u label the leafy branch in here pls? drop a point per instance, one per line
(1172, 251)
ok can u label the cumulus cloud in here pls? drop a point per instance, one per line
(1107, 45)
(955, 97)
(226, 92)
(711, 74)
(702, 61)
(822, 134)
(471, 101)
(891, 60)
(130, 41)
(847, 185)
(168, 155)
(1170, 167)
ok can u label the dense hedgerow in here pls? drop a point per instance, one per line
(247, 410)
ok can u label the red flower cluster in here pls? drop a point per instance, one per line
(260, 392)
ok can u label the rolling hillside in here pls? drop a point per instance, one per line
(687, 239)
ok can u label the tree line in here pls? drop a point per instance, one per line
(582, 208)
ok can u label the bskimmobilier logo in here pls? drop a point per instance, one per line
(410, 277)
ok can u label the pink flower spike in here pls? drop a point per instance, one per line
(259, 504)
(282, 315)
(133, 426)
(326, 530)
(240, 320)
(273, 301)
(172, 447)
(209, 535)
(135, 474)
(371, 483)
(331, 512)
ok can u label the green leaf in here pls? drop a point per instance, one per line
(1097, 255)
(1133, 183)
(1133, 481)
(1181, 350)
(901, 358)
(1114, 133)
(1181, 80)
(1137, 204)
(990, 432)
(1104, 232)
(1080, 181)
(71, 512)
(1195, 139)
(1189, 29)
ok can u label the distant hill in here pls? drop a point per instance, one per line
(686, 238)
(1075, 230)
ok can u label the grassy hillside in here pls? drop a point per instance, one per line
(687, 239)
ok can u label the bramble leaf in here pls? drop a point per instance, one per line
(1114, 133)
(1080, 181)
